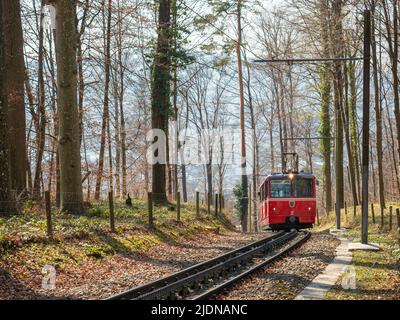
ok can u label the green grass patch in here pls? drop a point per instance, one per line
(377, 272)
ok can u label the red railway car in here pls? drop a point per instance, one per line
(288, 201)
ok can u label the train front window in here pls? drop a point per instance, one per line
(280, 188)
(302, 188)
(285, 188)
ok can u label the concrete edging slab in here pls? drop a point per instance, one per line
(317, 289)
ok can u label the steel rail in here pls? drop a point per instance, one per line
(162, 282)
(219, 288)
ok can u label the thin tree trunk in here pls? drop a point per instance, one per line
(41, 111)
(244, 181)
(353, 124)
(175, 97)
(373, 172)
(117, 136)
(81, 79)
(122, 122)
(337, 38)
(254, 150)
(393, 144)
(378, 112)
(106, 111)
(394, 57)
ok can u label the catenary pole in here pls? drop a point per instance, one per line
(365, 140)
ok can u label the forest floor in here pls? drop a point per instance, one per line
(92, 263)
(377, 273)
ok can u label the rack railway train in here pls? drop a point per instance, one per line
(288, 199)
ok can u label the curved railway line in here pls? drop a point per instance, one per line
(209, 278)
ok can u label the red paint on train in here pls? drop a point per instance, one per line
(288, 201)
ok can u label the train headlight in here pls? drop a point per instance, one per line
(309, 209)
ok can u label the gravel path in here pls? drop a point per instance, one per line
(101, 278)
(287, 277)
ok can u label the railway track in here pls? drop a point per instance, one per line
(208, 278)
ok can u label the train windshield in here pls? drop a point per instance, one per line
(285, 188)
(280, 188)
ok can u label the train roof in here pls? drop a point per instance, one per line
(300, 174)
(305, 175)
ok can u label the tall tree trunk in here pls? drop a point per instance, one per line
(393, 145)
(354, 141)
(160, 93)
(390, 141)
(345, 120)
(183, 166)
(14, 76)
(6, 203)
(271, 142)
(373, 172)
(325, 92)
(34, 122)
(254, 214)
(41, 111)
(283, 117)
(69, 143)
(393, 45)
(291, 106)
(338, 148)
(175, 96)
(210, 193)
(337, 40)
(106, 102)
(117, 136)
(121, 77)
(378, 111)
(169, 165)
(55, 117)
(244, 181)
(81, 79)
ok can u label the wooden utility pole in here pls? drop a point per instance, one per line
(365, 145)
